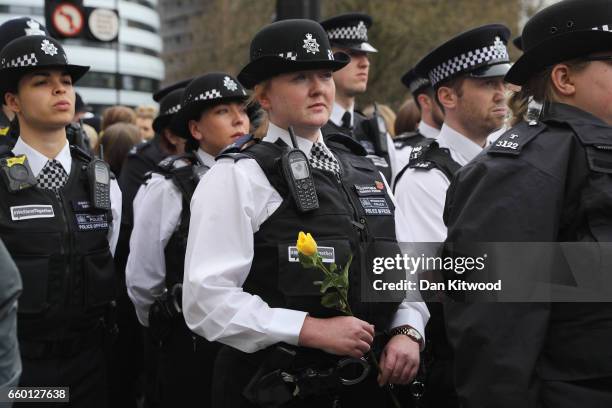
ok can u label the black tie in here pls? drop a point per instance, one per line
(346, 120)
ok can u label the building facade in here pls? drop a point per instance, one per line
(138, 59)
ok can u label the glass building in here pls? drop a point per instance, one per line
(140, 66)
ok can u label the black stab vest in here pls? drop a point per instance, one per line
(64, 258)
(343, 224)
(186, 180)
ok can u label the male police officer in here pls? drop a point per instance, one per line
(348, 33)
(432, 118)
(467, 74)
(59, 220)
(10, 30)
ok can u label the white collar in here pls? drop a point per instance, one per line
(274, 133)
(37, 160)
(207, 159)
(428, 131)
(461, 148)
(338, 112)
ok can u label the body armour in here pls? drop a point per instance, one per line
(185, 176)
(361, 132)
(59, 243)
(427, 155)
(355, 216)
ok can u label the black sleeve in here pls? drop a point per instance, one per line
(500, 199)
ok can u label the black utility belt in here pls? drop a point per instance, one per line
(287, 373)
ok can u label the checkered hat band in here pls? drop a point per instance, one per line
(478, 57)
(606, 27)
(358, 32)
(28, 60)
(172, 110)
(211, 94)
(290, 55)
(418, 84)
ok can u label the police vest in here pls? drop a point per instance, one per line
(410, 139)
(59, 243)
(427, 155)
(186, 179)
(355, 216)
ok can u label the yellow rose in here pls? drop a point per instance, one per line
(306, 244)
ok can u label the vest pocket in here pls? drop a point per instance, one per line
(35, 271)
(99, 276)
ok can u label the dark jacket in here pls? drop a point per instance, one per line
(546, 183)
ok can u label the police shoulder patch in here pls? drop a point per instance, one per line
(240, 144)
(514, 140)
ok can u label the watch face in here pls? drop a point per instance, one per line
(412, 332)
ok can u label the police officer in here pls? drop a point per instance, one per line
(10, 30)
(59, 220)
(10, 289)
(548, 179)
(242, 287)
(348, 33)
(127, 359)
(154, 271)
(431, 121)
(467, 75)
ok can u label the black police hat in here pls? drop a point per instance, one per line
(159, 95)
(207, 90)
(414, 82)
(349, 30)
(480, 53)
(563, 31)
(26, 54)
(168, 107)
(19, 27)
(518, 43)
(289, 46)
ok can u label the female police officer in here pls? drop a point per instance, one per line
(161, 223)
(58, 219)
(548, 179)
(243, 285)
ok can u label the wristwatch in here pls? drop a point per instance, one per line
(408, 331)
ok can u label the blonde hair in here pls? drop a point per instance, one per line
(539, 87)
(255, 97)
(146, 112)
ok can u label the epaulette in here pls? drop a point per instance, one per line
(138, 147)
(239, 145)
(346, 142)
(168, 164)
(234, 156)
(420, 149)
(514, 140)
(80, 153)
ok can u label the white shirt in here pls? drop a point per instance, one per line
(337, 113)
(421, 194)
(220, 253)
(428, 131)
(37, 161)
(158, 205)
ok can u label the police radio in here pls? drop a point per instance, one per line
(299, 177)
(98, 173)
(378, 130)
